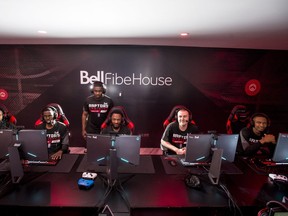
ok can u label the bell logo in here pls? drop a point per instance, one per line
(115, 79)
(252, 87)
(3, 94)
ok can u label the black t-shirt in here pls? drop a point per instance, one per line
(176, 137)
(123, 130)
(57, 137)
(98, 110)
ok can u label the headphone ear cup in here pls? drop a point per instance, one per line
(55, 115)
(104, 88)
(176, 116)
(55, 112)
(252, 121)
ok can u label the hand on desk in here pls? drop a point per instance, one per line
(57, 155)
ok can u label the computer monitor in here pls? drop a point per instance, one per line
(33, 144)
(113, 151)
(227, 142)
(127, 148)
(98, 147)
(198, 148)
(281, 150)
(6, 137)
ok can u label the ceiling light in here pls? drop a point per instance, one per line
(42, 32)
(184, 34)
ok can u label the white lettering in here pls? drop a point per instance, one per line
(115, 79)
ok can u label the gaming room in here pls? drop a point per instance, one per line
(215, 78)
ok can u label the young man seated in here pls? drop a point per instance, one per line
(57, 133)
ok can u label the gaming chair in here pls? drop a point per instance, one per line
(238, 119)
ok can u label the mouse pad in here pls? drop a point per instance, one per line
(145, 166)
(63, 166)
(226, 168)
(179, 168)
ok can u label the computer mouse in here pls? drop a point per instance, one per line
(192, 181)
(172, 163)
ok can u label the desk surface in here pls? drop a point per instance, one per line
(143, 190)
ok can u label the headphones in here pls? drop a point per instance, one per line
(50, 108)
(99, 84)
(252, 123)
(192, 181)
(183, 108)
(272, 207)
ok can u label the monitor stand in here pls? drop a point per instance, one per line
(16, 168)
(215, 167)
(112, 181)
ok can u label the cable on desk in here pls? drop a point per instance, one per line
(231, 200)
(5, 180)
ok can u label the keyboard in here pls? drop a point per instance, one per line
(267, 167)
(41, 163)
(189, 164)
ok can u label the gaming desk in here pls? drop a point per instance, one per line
(153, 192)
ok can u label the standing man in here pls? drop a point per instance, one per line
(255, 139)
(57, 133)
(95, 109)
(174, 137)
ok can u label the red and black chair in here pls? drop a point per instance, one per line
(238, 119)
(126, 120)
